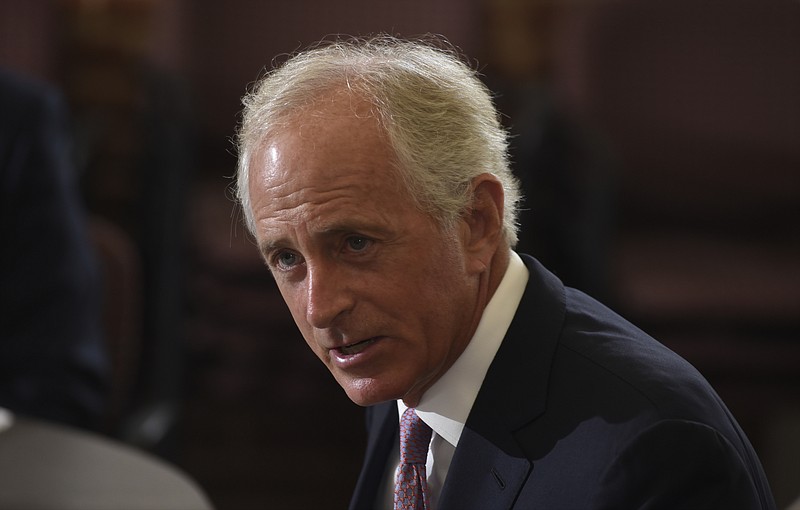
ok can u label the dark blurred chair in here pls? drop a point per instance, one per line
(143, 422)
(122, 301)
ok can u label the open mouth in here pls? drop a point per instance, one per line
(357, 347)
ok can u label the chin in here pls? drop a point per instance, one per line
(368, 393)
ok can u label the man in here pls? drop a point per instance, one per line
(374, 177)
(53, 362)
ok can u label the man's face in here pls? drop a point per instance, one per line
(383, 296)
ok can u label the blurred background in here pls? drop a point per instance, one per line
(658, 144)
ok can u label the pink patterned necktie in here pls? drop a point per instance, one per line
(411, 485)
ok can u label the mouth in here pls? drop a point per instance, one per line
(349, 350)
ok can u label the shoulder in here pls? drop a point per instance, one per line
(607, 351)
(33, 128)
(593, 357)
(22, 98)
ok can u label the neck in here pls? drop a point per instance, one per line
(496, 271)
(489, 282)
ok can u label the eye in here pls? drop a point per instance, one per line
(286, 260)
(358, 243)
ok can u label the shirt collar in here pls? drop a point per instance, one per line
(447, 404)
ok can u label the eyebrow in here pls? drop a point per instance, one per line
(270, 246)
(352, 226)
(334, 230)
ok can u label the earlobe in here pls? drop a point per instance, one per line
(484, 221)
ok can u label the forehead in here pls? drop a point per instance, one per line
(338, 132)
(330, 160)
(329, 111)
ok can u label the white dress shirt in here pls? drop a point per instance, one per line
(447, 404)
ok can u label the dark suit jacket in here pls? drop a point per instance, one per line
(581, 410)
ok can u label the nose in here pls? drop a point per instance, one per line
(328, 295)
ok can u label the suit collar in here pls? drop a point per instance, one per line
(489, 466)
(524, 359)
(446, 405)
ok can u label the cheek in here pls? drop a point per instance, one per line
(293, 297)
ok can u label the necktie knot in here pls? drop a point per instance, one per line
(415, 436)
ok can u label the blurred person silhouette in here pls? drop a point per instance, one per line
(374, 176)
(565, 169)
(53, 363)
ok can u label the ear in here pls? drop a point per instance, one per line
(483, 222)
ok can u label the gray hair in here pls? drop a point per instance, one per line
(438, 115)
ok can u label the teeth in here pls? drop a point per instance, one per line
(356, 348)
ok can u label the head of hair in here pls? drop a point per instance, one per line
(437, 115)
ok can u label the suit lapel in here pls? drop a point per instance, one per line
(489, 467)
(482, 476)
